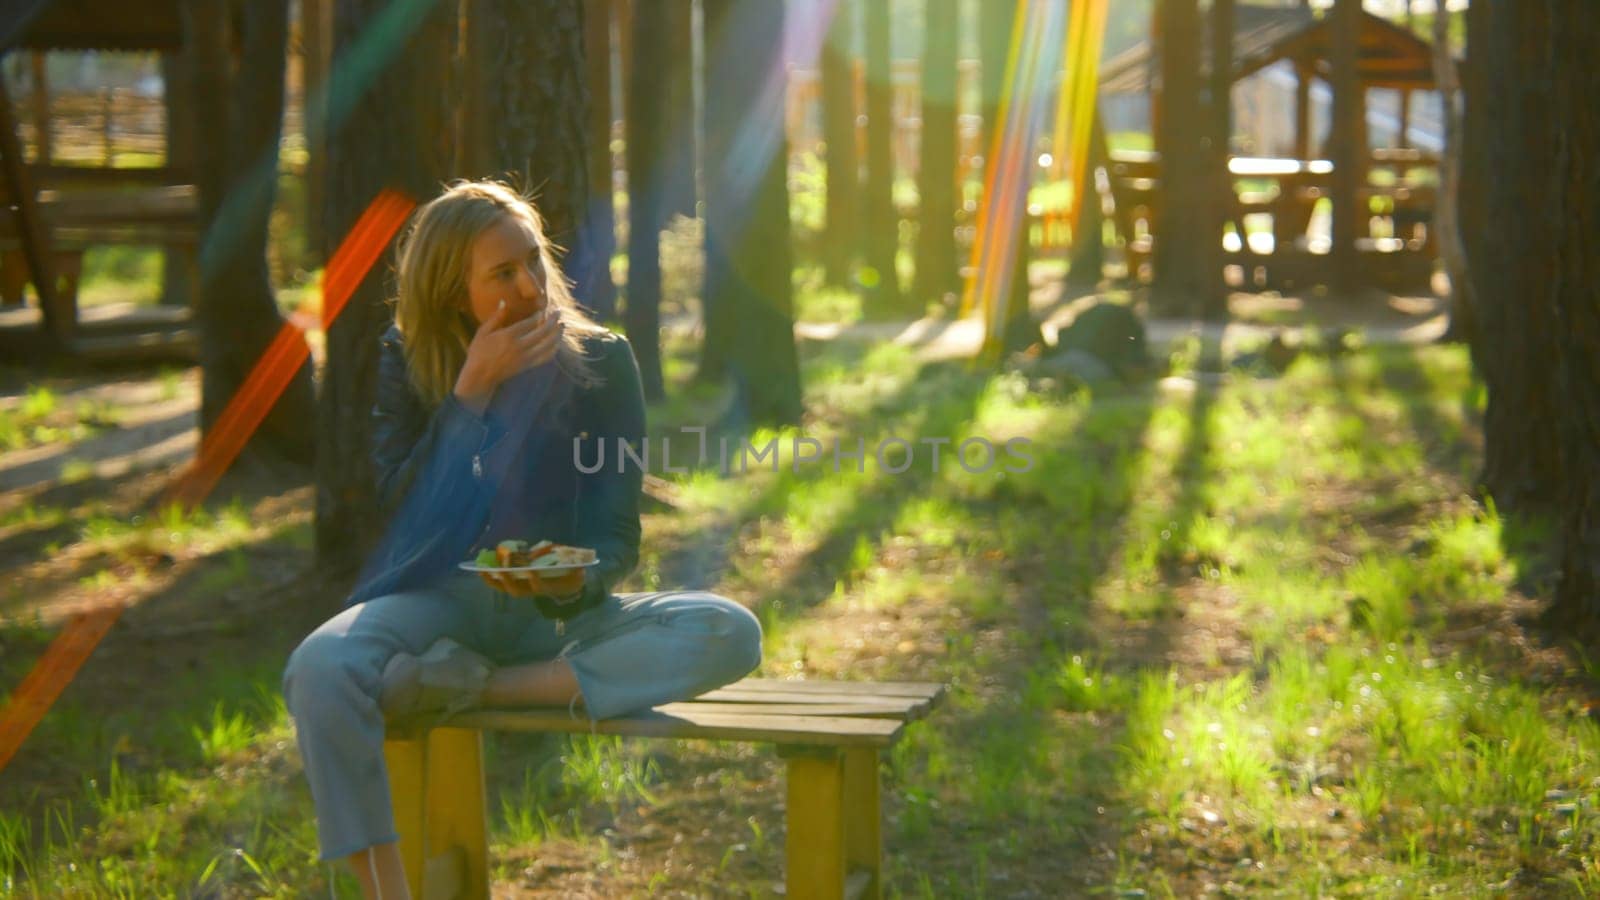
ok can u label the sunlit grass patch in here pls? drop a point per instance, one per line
(169, 530)
(40, 417)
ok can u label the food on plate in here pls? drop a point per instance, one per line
(542, 555)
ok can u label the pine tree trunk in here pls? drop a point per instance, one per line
(527, 117)
(1214, 298)
(682, 143)
(882, 238)
(646, 131)
(237, 175)
(599, 228)
(1088, 239)
(750, 309)
(936, 242)
(1183, 234)
(384, 131)
(315, 20)
(1516, 275)
(1575, 195)
(839, 134)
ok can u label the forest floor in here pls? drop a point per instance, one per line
(1233, 633)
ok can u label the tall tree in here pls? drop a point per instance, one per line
(839, 137)
(316, 20)
(599, 228)
(1088, 241)
(936, 180)
(390, 102)
(749, 305)
(1184, 279)
(527, 116)
(1446, 214)
(1575, 151)
(1531, 119)
(647, 180)
(996, 22)
(1536, 277)
(1214, 300)
(1514, 271)
(682, 144)
(1472, 180)
(1346, 145)
(882, 222)
(239, 64)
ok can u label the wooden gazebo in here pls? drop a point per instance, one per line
(50, 212)
(1388, 57)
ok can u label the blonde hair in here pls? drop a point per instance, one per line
(434, 257)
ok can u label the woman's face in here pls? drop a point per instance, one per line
(504, 264)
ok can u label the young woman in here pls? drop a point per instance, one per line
(489, 384)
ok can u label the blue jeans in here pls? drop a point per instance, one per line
(631, 652)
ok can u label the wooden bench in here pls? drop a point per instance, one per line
(76, 219)
(829, 732)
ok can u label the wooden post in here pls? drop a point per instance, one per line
(815, 845)
(1302, 111)
(108, 148)
(60, 319)
(42, 135)
(1345, 142)
(177, 77)
(1405, 114)
(1155, 82)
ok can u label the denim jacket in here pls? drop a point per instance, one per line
(448, 477)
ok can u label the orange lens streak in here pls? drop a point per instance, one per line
(249, 406)
(357, 254)
(1002, 219)
(51, 674)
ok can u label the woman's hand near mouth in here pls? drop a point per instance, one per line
(501, 349)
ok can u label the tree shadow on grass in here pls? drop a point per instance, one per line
(173, 693)
(1043, 541)
(1041, 791)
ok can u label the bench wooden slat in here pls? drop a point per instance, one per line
(907, 707)
(833, 731)
(169, 202)
(930, 690)
(876, 709)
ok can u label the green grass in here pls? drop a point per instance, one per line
(40, 417)
(1252, 634)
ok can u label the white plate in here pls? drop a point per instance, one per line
(511, 570)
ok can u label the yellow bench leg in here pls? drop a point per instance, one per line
(833, 849)
(863, 823)
(441, 812)
(406, 759)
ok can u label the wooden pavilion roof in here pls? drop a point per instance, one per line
(92, 25)
(1390, 56)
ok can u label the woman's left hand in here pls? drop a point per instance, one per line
(568, 585)
(560, 586)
